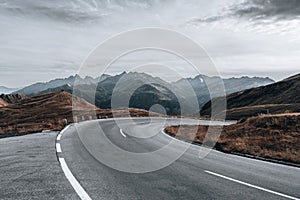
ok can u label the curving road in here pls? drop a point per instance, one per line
(90, 165)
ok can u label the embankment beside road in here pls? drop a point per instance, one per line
(269, 136)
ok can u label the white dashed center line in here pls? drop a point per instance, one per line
(122, 133)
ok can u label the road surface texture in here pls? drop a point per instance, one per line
(30, 169)
(217, 176)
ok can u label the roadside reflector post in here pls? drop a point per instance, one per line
(65, 121)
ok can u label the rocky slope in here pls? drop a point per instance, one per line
(12, 98)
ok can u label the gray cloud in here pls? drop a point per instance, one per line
(262, 9)
(256, 10)
(71, 11)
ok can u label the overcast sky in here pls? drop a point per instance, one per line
(45, 39)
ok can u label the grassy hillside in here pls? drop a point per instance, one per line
(269, 136)
(39, 113)
(280, 97)
(50, 112)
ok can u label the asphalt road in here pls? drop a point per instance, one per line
(29, 169)
(103, 171)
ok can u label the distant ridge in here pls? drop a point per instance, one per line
(6, 90)
(37, 88)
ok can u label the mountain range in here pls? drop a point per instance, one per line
(148, 90)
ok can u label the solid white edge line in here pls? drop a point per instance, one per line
(58, 148)
(173, 138)
(58, 137)
(64, 129)
(122, 133)
(75, 184)
(253, 186)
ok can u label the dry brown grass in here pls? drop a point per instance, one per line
(130, 112)
(38, 113)
(269, 136)
(3, 103)
(49, 111)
